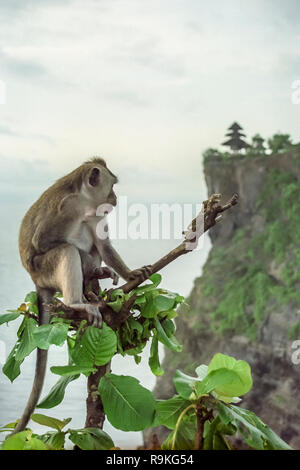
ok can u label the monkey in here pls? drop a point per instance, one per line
(60, 249)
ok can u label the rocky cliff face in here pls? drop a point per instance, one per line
(247, 301)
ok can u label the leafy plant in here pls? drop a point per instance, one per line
(84, 439)
(202, 415)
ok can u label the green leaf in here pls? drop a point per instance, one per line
(164, 302)
(8, 426)
(255, 433)
(214, 435)
(153, 362)
(145, 288)
(27, 340)
(140, 300)
(214, 438)
(45, 335)
(49, 421)
(99, 345)
(184, 384)
(91, 439)
(241, 368)
(168, 411)
(149, 310)
(182, 438)
(23, 441)
(155, 278)
(116, 305)
(57, 392)
(128, 405)
(11, 368)
(7, 317)
(169, 327)
(217, 379)
(171, 342)
(31, 297)
(67, 371)
(54, 440)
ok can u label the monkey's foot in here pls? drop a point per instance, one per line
(141, 273)
(93, 315)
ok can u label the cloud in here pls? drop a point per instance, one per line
(25, 68)
(5, 130)
(17, 6)
(24, 180)
(146, 84)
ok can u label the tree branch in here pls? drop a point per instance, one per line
(207, 218)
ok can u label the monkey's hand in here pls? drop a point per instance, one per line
(141, 273)
(106, 273)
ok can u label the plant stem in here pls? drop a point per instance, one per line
(178, 423)
(200, 428)
(200, 424)
(95, 415)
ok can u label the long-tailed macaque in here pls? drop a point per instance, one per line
(59, 248)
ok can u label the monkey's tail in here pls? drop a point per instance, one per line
(45, 297)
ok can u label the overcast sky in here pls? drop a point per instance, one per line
(147, 84)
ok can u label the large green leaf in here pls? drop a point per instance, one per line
(154, 363)
(27, 340)
(217, 379)
(255, 433)
(23, 441)
(91, 439)
(128, 405)
(57, 392)
(55, 333)
(50, 421)
(7, 317)
(168, 411)
(237, 387)
(100, 345)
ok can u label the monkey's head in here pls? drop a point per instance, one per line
(99, 182)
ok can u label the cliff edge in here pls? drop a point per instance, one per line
(247, 301)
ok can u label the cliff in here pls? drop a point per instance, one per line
(247, 301)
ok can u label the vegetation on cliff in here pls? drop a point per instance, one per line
(251, 289)
(278, 143)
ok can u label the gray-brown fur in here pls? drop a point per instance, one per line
(59, 248)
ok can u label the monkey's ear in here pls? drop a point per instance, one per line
(94, 176)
